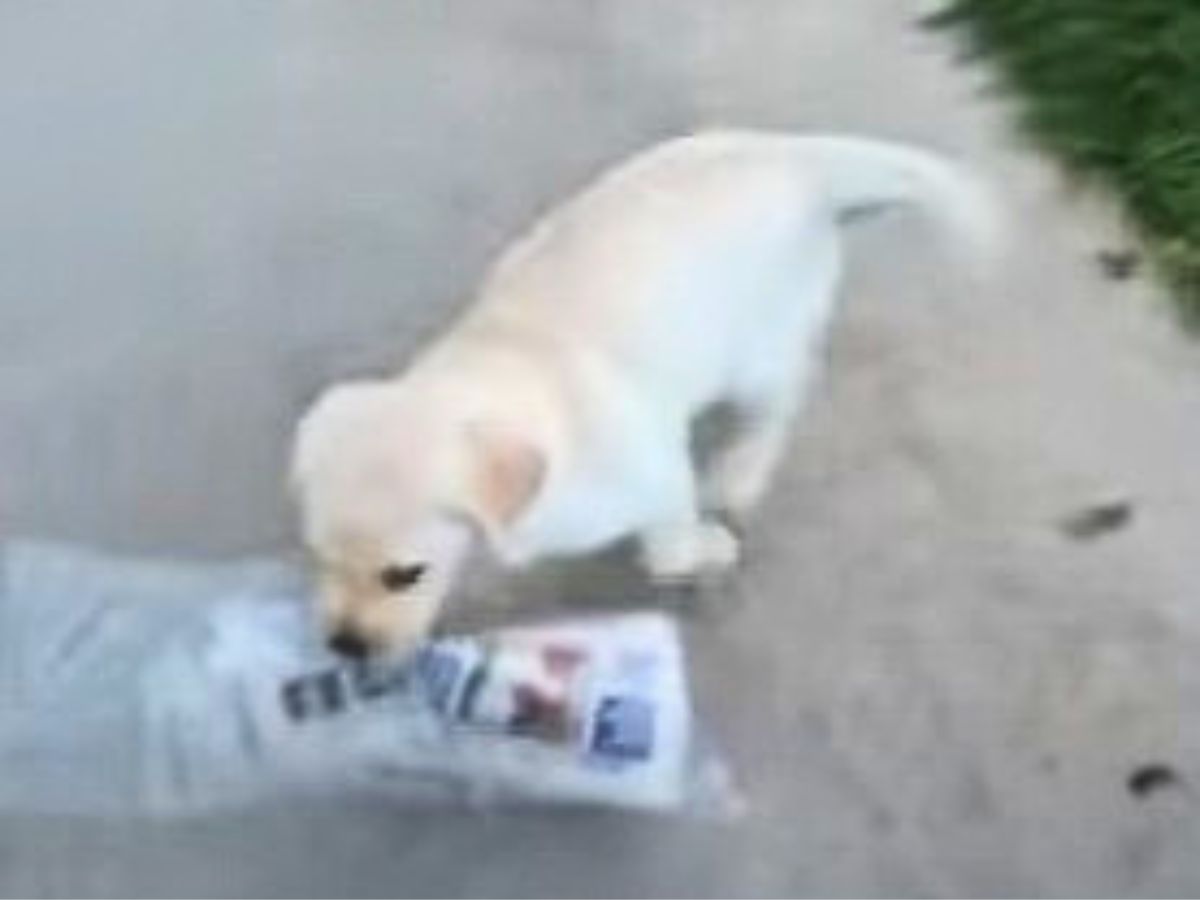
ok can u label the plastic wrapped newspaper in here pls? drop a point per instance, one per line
(177, 689)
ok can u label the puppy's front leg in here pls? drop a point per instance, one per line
(681, 543)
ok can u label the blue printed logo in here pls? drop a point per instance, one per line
(439, 672)
(624, 729)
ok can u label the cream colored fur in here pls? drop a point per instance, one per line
(554, 417)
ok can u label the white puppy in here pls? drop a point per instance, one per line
(554, 417)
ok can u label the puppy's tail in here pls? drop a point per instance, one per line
(861, 175)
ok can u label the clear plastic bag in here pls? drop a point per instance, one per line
(174, 689)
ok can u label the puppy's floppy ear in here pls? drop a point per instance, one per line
(504, 473)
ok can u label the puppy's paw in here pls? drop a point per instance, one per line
(733, 489)
(690, 553)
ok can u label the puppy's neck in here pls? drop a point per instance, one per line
(508, 372)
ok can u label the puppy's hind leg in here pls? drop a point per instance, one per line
(680, 544)
(739, 475)
(775, 374)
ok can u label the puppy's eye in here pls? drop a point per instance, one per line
(399, 578)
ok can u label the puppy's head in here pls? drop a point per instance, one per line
(395, 486)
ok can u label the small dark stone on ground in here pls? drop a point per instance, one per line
(1118, 265)
(1151, 778)
(1097, 520)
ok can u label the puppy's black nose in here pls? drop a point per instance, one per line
(349, 645)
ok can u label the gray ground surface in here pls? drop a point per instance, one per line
(208, 210)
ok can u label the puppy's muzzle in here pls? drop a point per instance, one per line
(349, 645)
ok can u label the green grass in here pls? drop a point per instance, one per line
(1112, 87)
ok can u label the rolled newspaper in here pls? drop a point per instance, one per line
(586, 712)
(137, 687)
